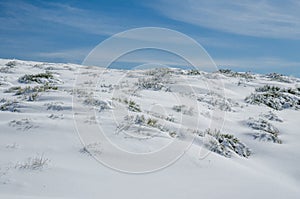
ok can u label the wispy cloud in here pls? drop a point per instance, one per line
(18, 14)
(67, 55)
(257, 62)
(254, 18)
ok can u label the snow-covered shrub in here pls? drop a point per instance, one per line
(40, 78)
(161, 72)
(55, 106)
(183, 109)
(278, 77)
(81, 93)
(271, 116)
(9, 105)
(56, 116)
(225, 144)
(158, 80)
(267, 132)
(30, 93)
(170, 118)
(28, 89)
(141, 122)
(268, 88)
(33, 163)
(150, 83)
(151, 122)
(215, 100)
(178, 108)
(193, 72)
(132, 105)
(11, 63)
(90, 149)
(275, 97)
(101, 104)
(6, 69)
(24, 124)
(230, 73)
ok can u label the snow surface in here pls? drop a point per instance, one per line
(42, 155)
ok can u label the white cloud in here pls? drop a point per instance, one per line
(74, 55)
(250, 17)
(18, 14)
(258, 63)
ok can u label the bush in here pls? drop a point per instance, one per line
(34, 163)
(271, 116)
(151, 122)
(9, 105)
(11, 64)
(101, 104)
(150, 83)
(267, 131)
(159, 77)
(193, 72)
(230, 73)
(132, 106)
(183, 109)
(275, 97)
(38, 78)
(225, 144)
(279, 77)
(30, 93)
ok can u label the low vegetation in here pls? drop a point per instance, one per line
(230, 73)
(266, 131)
(30, 93)
(279, 77)
(38, 78)
(226, 144)
(275, 97)
(33, 163)
(183, 109)
(9, 105)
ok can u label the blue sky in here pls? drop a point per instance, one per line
(259, 36)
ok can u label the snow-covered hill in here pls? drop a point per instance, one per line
(241, 129)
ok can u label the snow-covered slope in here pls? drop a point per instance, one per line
(254, 154)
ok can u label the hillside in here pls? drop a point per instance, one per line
(236, 134)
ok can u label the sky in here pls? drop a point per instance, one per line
(249, 35)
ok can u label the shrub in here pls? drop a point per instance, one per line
(150, 83)
(225, 144)
(11, 64)
(101, 104)
(33, 163)
(151, 122)
(267, 131)
(90, 149)
(24, 124)
(30, 93)
(193, 72)
(279, 77)
(132, 106)
(267, 88)
(38, 78)
(159, 77)
(183, 109)
(271, 116)
(230, 73)
(9, 105)
(275, 97)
